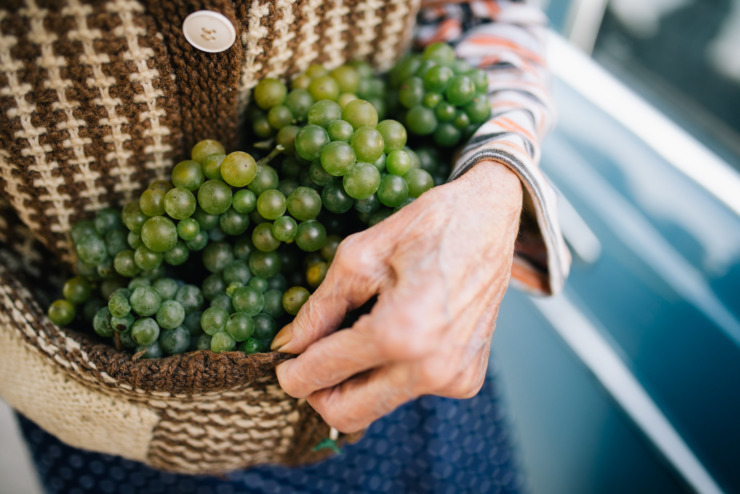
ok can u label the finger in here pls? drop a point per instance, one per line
(357, 403)
(354, 276)
(330, 361)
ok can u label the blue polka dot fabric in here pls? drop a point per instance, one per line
(431, 445)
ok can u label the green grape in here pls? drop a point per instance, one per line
(317, 175)
(159, 234)
(174, 341)
(294, 298)
(460, 66)
(379, 163)
(115, 242)
(108, 287)
(404, 204)
(301, 82)
(299, 101)
(190, 297)
(411, 92)
(439, 52)
(347, 78)
(188, 175)
(367, 206)
(324, 112)
(222, 342)
(345, 98)
(236, 271)
(311, 235)
(251, 346)
(243, 248)
(145, 301)
(261, 126)
(330, 247)
(419, 181)
(214, 196)
(271, 204)
(205, 220)
(277, 282)
(188, 229)
(310, 141)
(212, 166)
(248, 299)
(135, 283)
(82, 229)
(263, 239)
(265, 327)
(421, 120)
(480, 79)
(223, 300)
(212, 286)
(393, 133)
(269, 92)
(240, 326)
(213, 320)
(437, 78)
(478, 110)
(316, 70)
(122, 324)
(106, 270)
(107, 219)
(273, 303)
(152, 202)
(364, 69)
(444, 112)
(431, 100)
(446, 135)
(398, 162)
(133, 240)
(265, 264)
(258, 283)
(179, 203)
(284, 228)
(170, 314)
(287, 186)
(160, 185)
(360, 113)
(379, 216)
(127, 341)
(460, 91)
(368, 144)
(303, 204)
(91, 307)
(362, 181)
(149, 351)
(61, 312)
(286, 138)
(461, 120)
(101, 323)
(132, 217)
(203, 342)
(145, 331)
(393, 190)
(316, 273)
(233, 223)
(166, 288)
(279, 116)
(335, 199)
(77, 290)
(424, 67)
(192, 322)
(324, 87)
(244, 201)
(266, 178)
(198, 243)
(337, 158)
(340, 130)
(205, 148)
(157, 272)
(91, 249)
(256, 218)
(216, 256)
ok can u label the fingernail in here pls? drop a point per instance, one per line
(282, 338)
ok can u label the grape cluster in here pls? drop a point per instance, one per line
(439, 95)
(229, 248)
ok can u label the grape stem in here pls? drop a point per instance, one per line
(278, 149)
(117, 340)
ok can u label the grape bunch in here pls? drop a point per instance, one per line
(227, 250)
(439, 95)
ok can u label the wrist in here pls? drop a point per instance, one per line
(497, 181)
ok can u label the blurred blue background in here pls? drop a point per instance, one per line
(626, 382)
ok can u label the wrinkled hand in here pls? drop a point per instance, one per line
(440, 268)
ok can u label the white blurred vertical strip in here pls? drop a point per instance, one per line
(584, 21)
(17, 472)
(604, 362)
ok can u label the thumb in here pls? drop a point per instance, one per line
(355, 275)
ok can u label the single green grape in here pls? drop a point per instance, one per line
(170, 314)
(213, 320)
(431, 100)
(439, 52)
(265, 264)
(324, 88)
(277, 281)
(367, 143)
(188, 175)
(419, 181)
(360, 113)
(106, 271)
(251, 346)
(145, 331)
(316, 273)
(317, 175)
(303, 204)
(461, 120)
(266, 178)
(287, 186)
(324, 112)
(101, 323)
(62, 312)
(258, 283)
(236, 271)
(398, 162)
(437, 78)
(316, 70)
(222, 342)
(478, 110)
(122, 324)
(273, 302)
(166, 288)
(135, 283)
(244, 201)
(286, 138)
(269, 92)
(144, 300)
(347, 78)
(411, 92)
(190, 297)
(223, 300)
(248, 299)
(301, 82)
(233, 223)
(243, 247)
(174, 341)
(152, 202)
(161, 185)
(311, 236)
(460, 91)
(421, 120)
(265, 327)
(271, 204)
(205, 220)
(340, 130)
(159, 234)
(367, 206)
(214, 196)
(91, 307)
(240, 326)
(294, 298)
(238, 169)
(263, 239)
(133, 240)
(330, 247)
(362, 181)
(133, 217)
(179, 203)
(83, 228)
(310, 141)
(379, 216)
(188, 229)
(393, 190)
(447, 135)
(444, 112)
(77, 290)
(198, 243)
(118, 304)
(107, 219)
(393, 133)
(203, 342)
(205, 148)
(284, 228)
(91, 249)
(337, 158)
(379, 163)
(279, 116)
(299, 102)
(345, 98)
(108, 287)
(216, 256)
(335, 199)
(212, 166)
(116, 241)
(212, 286)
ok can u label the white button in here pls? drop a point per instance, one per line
(209, 31)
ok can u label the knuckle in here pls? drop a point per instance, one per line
(289, 381)
(333, 415)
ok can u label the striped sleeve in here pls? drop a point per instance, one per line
(506, 39)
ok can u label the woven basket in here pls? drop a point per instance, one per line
(96, 101)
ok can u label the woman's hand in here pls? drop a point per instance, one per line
(440, 268)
